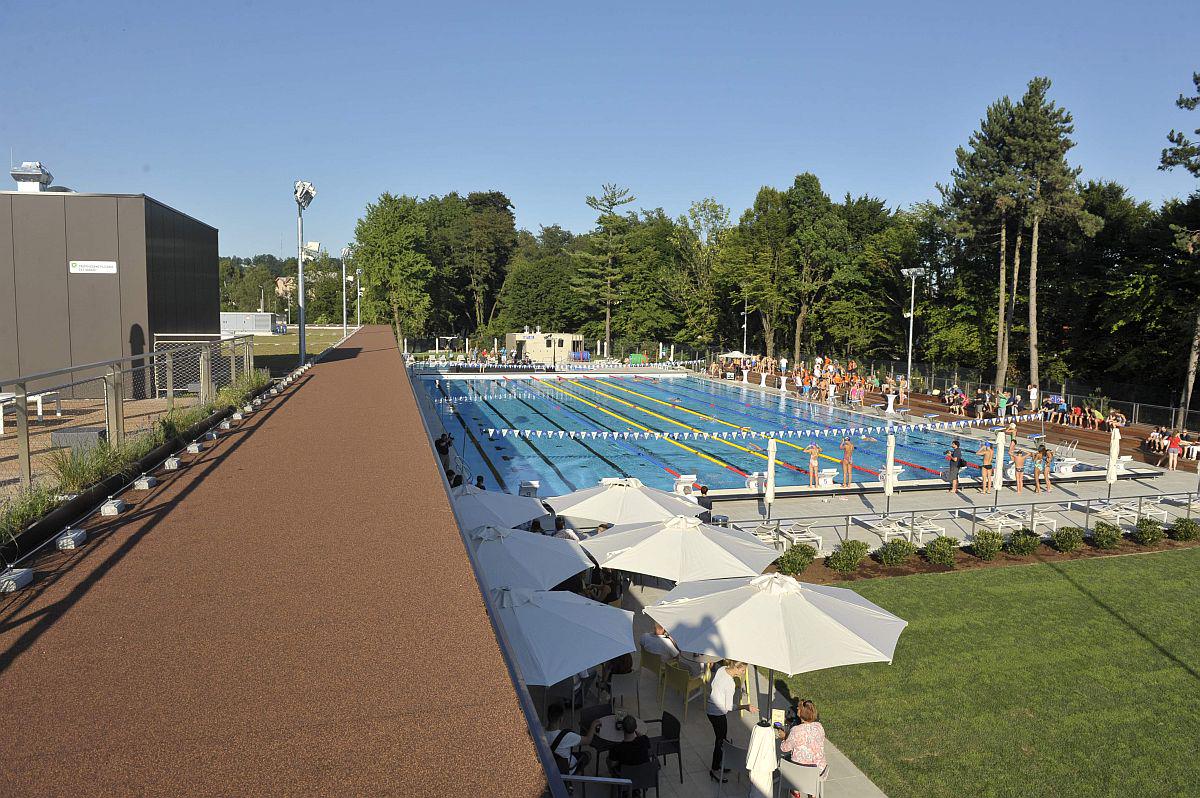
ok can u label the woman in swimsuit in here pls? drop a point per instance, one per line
(814, 452)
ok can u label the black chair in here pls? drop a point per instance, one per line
(587, 719)
(643, 776)
(667, 742)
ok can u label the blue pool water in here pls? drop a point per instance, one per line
(635, 404)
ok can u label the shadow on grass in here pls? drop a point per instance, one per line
(1115, 613)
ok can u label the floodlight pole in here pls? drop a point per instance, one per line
(358, 292)
(745, 322)
(912, 274)
(345, 254)
(300, 275)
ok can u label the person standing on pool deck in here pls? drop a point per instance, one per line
(1018, 458)
(987, 453)
(814, 452)
(954, 456)
(847, 459)
(721, 694)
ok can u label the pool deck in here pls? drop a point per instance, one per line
(292, 613)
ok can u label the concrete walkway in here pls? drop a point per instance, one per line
(293, 613)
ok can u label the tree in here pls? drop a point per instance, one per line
(699, 238)
(491, 239)
(819, 240)
(598, 278)
(982, 199)
(1186, 153)
(1041, 142)
(396, 272)
(760, 263)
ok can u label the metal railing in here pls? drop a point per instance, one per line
(1137, 507)
(121, 396)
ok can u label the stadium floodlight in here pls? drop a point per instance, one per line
(911, 274)
(345, 257)
(305, 191)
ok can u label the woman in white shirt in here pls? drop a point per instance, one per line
(722, 693)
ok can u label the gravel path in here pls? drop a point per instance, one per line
(291, 614)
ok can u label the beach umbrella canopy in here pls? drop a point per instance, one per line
(622, 501)
(478, 507)
(681, 549)
(776, 622)
(556, 634)
(734, 355)
(515, 558)
(1114, 455)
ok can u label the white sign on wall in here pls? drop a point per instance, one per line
(93, 267)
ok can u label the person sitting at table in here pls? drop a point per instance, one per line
(805, 743)
(634, 748)
(605, 587)
(563, 742)
(660, 643)
(561, 530)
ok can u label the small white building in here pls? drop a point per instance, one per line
(545, 347)
(237, 323)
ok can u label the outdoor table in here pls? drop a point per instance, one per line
(609, 731)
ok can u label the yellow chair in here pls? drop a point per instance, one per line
(683, 682)
(654, 664)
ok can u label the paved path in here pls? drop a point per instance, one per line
(291, 614)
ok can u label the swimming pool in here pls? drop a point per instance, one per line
(568, 432)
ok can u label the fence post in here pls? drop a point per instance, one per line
(206, 388)
(250, 350)
(22, 411)
(170, 381)
(112, 402)
(232, 361)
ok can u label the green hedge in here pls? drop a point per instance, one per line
(1106, 535)
(796, 559)
(895, 551)
(1067, 539)
(1147, 532)
(987, 544)
(941, 551)
(1023, 542)
(1185, 529)
(848, 556)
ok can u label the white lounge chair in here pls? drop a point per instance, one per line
(998, 520)
(1032, 522)
(1117, 512)
(920, 526)
(885, 527)
(800, 532)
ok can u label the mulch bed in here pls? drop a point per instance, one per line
(821, 574)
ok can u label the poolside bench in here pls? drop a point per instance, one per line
(36, 399)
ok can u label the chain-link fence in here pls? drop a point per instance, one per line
(111, 400)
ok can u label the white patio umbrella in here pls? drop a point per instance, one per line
(778, 623)
(556, 634)
(622, 501)
(734, 355)
(1114, 455)
(682, 549)
(477, 507)
(889, 470)
(515, 558)
(769, 496)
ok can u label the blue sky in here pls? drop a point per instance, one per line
(217, 108)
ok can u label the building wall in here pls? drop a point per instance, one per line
(183, 287)
(8, 293)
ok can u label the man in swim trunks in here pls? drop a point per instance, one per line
(847, 448)
(1018, 458)
(987, 453)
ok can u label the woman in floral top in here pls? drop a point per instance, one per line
(805, 744)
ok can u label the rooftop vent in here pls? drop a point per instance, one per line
(31, 176)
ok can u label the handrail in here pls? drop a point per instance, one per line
(101, 363)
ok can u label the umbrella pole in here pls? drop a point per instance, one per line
(764, 710)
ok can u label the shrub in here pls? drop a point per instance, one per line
(1106, 535)
(1185, 529)
(1147, 532)
(1023, 542)
(987, 544)
(941, 551)
(848, 556)
(1067, 539)
(796, 559)
(895, 551)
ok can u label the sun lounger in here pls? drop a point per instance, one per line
(920, 526)
(800, 532)
(1038, 518)
(1116, 512)
(885, 527)
(997, 520)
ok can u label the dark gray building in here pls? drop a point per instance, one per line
(89, 277)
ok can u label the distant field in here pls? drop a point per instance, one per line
(280, 353)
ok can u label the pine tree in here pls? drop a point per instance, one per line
(599, 275)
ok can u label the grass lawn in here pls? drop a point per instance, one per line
(1073, 679)
(280, 353)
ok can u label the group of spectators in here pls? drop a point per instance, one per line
(822, 379)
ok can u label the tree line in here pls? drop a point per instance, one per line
(1030, 272)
